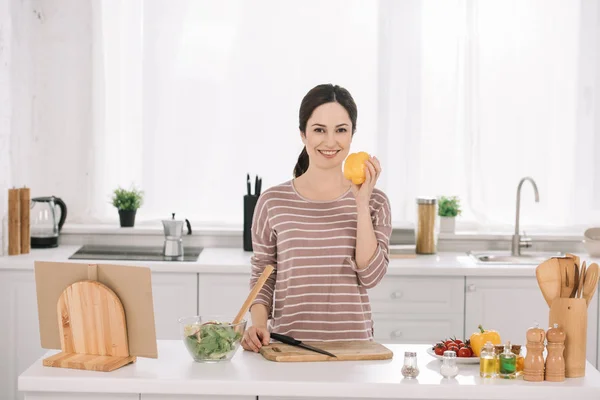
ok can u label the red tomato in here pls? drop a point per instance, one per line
(439, 350)
(465, 352)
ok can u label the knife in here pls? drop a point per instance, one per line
(293, 342)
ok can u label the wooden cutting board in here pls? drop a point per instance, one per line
(345, 351)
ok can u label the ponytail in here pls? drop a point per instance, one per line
(302, 164)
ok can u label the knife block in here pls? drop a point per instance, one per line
(249, 206)
(93, 329)
(571, 315)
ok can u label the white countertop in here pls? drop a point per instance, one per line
(174, 372)
(235, 260)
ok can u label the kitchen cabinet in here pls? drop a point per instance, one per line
(175, 295)
(193, 397)
(511, 305)
(417, 309)
(19, 335)
(80, 396)
(222, 295)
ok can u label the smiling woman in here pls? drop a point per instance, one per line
(326, 236)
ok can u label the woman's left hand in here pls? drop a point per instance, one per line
(362, 192)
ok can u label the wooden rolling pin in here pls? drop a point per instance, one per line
(252, 295)
(14, 222)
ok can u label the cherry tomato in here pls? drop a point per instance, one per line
(465, 352)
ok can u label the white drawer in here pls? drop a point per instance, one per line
(415, 295)
(418, 329)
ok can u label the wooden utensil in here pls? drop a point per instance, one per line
(93, 330)
(253, 293)
(567, 273)
(344, 351)
(581, 281)
(575, 281)
(549, 279)
(591, 283)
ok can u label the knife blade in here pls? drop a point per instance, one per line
(293, 342)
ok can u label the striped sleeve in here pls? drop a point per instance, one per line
(376, 269)
(264, 248)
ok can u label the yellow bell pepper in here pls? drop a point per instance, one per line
(480, 338)
(354, 167)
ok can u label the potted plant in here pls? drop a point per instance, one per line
(448, 209)
(127, 202)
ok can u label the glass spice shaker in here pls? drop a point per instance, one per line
(449, 369)
(410, 369)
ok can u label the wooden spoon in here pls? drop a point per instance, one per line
(591, 282)
(549, 279)
(567, 274)
(253, 293)
(581, 281)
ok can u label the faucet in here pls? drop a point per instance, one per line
(517, 241)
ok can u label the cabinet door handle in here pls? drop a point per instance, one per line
(396, 295)
(471, 288)
(396, 334)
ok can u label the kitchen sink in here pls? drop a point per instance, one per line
(132, 253)
(506, 258)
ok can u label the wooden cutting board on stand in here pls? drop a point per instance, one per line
(345, 351)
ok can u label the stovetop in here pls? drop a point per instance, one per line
(132, 253)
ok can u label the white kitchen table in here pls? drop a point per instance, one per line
(174, 375)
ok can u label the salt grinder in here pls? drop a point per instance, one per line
(533, 369)
(555, 362)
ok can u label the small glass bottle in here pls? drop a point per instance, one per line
(487, 361)
(508, 363)
(516, 349)
(498, 349)
(410, 369)
(449, 369)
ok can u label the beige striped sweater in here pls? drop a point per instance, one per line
(316, 291)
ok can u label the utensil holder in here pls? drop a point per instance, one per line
(571, 315)
(249, 206)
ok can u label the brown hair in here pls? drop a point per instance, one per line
(317, 96)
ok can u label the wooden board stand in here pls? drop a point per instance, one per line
(93, 329)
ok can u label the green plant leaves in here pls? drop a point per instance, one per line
(213, 341)
(449, 206)
(127, 199)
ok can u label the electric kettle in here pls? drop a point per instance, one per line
(45, 224)
(173, 228)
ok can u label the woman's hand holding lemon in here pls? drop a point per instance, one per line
(363, 171)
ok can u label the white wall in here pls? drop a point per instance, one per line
(45, 97)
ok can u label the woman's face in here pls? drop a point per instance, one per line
(328, 136)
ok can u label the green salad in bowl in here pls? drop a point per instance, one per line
(210, 339)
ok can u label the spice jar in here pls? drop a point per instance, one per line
(410, 369)
(449, 369)
(425, 230)
(516, 349)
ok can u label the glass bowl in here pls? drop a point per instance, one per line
(210, 338)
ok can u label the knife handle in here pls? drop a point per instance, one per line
(285, 339)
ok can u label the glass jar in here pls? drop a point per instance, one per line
(508, 363)
(516, 349)
(449, 369)
(487, 361)
(425, 231)
(410, 369)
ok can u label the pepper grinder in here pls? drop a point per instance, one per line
(555, 362)
(533, 369)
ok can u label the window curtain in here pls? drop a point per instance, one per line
(457, 97)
